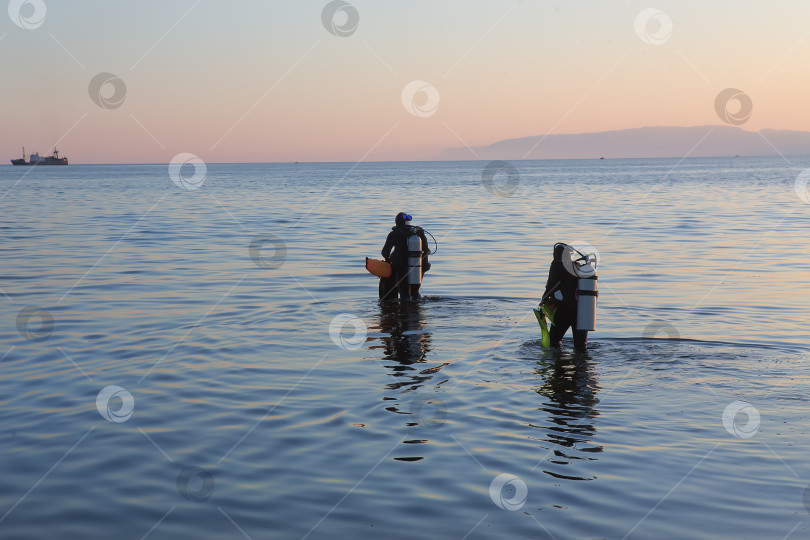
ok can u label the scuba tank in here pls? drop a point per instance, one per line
(414, 257)
(584, 268)
(586, 294)
(586, 302)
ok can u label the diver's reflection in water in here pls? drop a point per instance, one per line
(405, 344)
(569, 384)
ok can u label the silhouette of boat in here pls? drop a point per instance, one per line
(36, 159)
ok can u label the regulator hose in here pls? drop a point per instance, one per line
(435, 243)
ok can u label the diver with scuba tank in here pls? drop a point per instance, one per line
(409, 260)
(570, 295)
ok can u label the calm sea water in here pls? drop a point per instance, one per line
(213, 363)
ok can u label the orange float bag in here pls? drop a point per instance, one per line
(379, 268)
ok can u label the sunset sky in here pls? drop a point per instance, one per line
(266, 81)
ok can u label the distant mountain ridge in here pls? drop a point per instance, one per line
(644, 142)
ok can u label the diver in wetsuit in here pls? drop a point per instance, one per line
(398, 241)
(561, 294)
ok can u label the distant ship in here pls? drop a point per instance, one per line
(35, 159)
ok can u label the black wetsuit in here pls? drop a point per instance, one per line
(398, 241)
(566, 316)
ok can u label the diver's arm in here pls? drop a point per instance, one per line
(389, 244)
(556, 274)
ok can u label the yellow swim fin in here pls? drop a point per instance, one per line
(550, 312)
(545, 337)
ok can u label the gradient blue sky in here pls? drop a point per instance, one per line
(264, 80)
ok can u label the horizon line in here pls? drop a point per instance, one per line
(601, 158)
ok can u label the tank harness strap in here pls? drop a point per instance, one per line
(588, 293)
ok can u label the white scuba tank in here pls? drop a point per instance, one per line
(414, 259)
(586, 297)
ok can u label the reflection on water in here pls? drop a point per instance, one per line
(405, 343)
(570, 387)
(248, 369)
